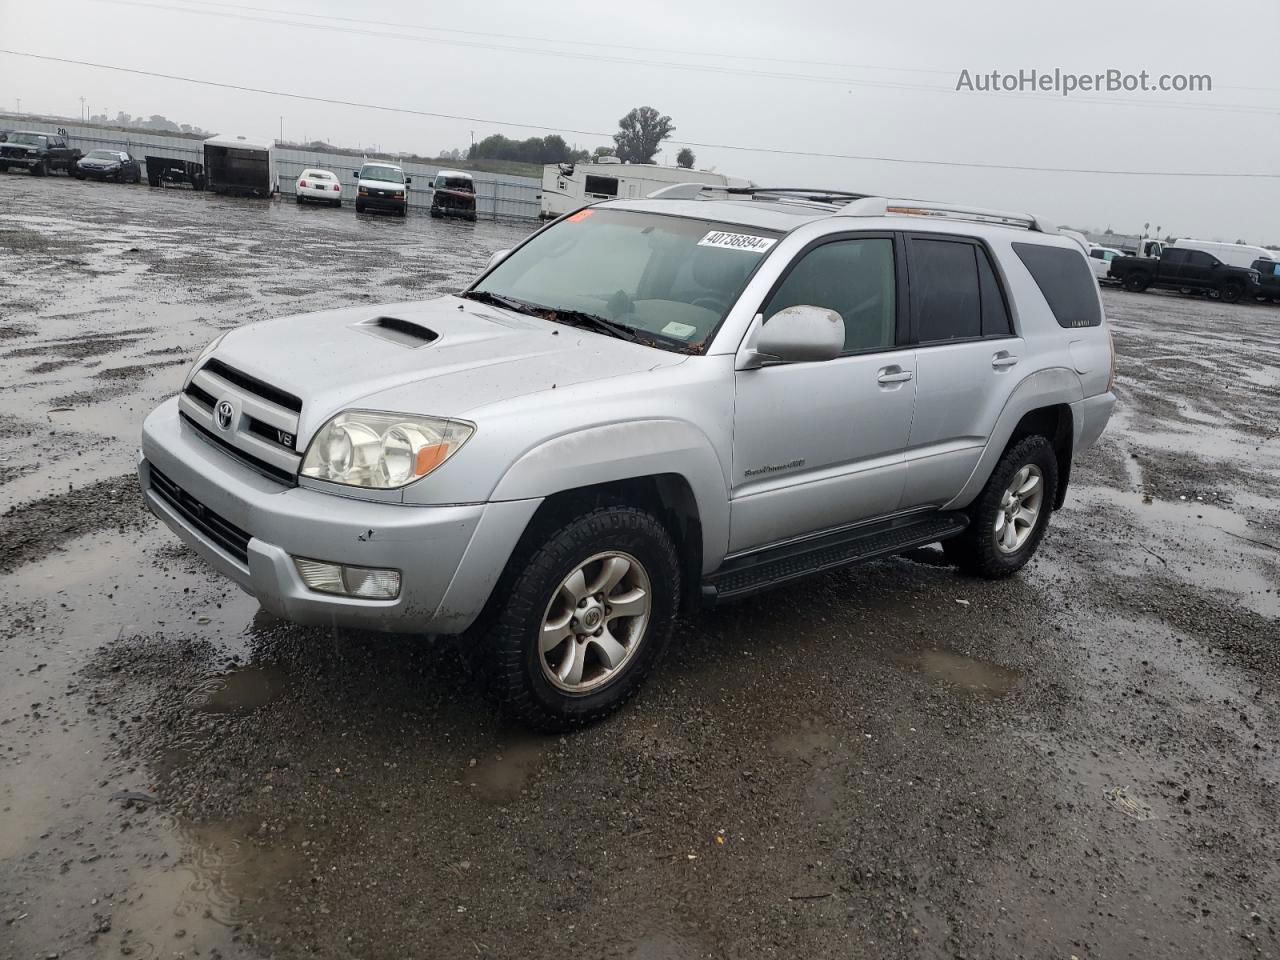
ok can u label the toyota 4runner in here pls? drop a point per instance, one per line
(644, 405)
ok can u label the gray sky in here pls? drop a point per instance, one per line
(889, 70)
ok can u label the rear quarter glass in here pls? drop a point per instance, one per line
(1065, 280)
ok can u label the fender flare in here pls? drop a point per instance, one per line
(1050, 387)
(625, 451)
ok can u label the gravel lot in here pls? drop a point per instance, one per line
(889, 761)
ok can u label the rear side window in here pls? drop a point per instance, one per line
(946, 298)
(1066, 282)
(606, 186)
(1199, 259)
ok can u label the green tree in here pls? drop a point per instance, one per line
(685, 158)
(640, 133)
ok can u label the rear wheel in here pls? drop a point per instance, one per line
(1009, 518)
(1137, 282)
(585, 617)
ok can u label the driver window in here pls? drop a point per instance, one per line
(856, 279)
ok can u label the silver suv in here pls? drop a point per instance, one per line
(645, 405)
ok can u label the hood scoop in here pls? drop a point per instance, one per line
(406, 333)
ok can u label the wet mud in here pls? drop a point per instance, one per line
(889, 761)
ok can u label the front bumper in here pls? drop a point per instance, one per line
(27, 160)
(449, 557)
(371, 202)
(100, 173)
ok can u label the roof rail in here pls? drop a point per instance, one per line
(887, 207)
(696, 191)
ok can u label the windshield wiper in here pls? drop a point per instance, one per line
(497, 300)
(590, 321)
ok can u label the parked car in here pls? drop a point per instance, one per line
(382, 186)
(1268, 279)
(115, 165)
(1100, 262)
(40, 153)
(321, 186)
(453, 195)
(1188, 271)
(645, 405)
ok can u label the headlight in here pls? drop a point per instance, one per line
(211, 346)
(364, 448)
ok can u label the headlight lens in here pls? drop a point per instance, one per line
(365, 448)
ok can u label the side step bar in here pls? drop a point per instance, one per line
(768, 568)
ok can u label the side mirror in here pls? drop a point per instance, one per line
(408, 180)
(799, 334)
(496, 259)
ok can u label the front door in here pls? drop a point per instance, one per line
(821, 445)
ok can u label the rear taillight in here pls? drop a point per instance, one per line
(302, 183)
(337, 186)
(1111, 342)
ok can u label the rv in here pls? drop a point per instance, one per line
(240, 166)
(568, 186)
(1234, 254)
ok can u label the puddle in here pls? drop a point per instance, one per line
(965, 673)
(241, 690)
(503, 775)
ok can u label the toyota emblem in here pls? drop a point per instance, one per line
(223, 413)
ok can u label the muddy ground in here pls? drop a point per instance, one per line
(890, 761)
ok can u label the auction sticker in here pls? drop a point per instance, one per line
(736, 241)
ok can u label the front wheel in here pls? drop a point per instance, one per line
(39, 170)
(359, 207)
(1232, 292)
(586, 616)
(1009, 518)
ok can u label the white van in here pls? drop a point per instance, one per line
(568, 186)
(1232, 254)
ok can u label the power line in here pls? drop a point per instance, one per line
(596, 133)
(673, 65)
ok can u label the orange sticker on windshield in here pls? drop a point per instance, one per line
(580, 216)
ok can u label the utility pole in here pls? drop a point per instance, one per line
(282, 129)
(19, 99)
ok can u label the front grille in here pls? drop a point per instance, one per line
(222, 532)
(252, 420)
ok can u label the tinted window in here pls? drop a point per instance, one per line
(946, 303)
(1066, 282)
(995, 311)
(1096, 253)
(605, 185)
(1198, 258)
(1174, 256)
(856, 279)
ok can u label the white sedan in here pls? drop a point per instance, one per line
(320, 186)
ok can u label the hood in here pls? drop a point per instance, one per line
(380, 185)
(445, 357)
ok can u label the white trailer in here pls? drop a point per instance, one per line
(240, 166)
(1232, 254)
(1133, 244)
(568, 186)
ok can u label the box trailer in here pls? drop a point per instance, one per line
(568, 186)
(167, 171)
(240, 166)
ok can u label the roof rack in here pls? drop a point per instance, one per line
(860, 204)
(886, 207)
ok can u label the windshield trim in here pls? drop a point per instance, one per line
(682, 347)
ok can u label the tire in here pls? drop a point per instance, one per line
(4, 168)
(40, 170)
(1231, 292)
(977, 551)
(436, 214)
(534, 592)
(359, 207)
(79, 176)
(1137, 282)
(335, 203)
(297, 198)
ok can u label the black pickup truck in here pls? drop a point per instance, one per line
(41, 153)
(1189, 270)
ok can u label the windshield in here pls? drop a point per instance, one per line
(455, 183)
(388, 174)
(32, 139)
(103, 155)
(670, 278)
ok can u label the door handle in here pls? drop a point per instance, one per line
(1003, 360)
(894, 375)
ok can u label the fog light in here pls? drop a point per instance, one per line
(368, 582)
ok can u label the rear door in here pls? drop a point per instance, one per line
(967, 357)
(818, 446)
